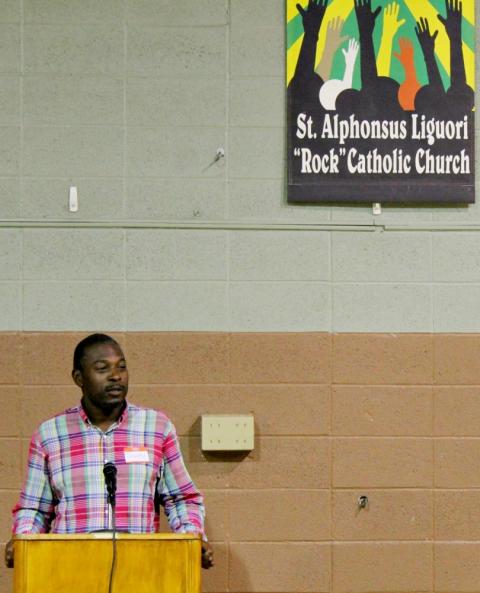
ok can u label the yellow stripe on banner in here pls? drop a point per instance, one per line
(468, 11)
(292, 58)
(338, 8)
(442, 43)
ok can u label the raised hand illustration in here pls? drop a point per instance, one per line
(332, 88)
(365, 16)
(431, 98)
(366, 24)
(391, 24)
(453, 26)
(378, 95)
(333, 41)
(427, 43)
(312, 18)
(453, 21)
(306, 83)
(410, 86)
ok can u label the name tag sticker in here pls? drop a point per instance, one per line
(136, 455)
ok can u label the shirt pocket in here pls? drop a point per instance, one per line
(136, 477)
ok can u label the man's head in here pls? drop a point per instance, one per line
(100, 370)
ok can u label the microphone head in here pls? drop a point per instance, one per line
(109, 470)
(110, 473)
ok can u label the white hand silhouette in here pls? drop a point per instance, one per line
(330, 90)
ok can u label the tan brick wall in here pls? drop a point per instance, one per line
(394, 417)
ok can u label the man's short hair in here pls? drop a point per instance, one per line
(91, 340)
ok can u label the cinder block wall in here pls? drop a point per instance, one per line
(392, 417)
(352, 338)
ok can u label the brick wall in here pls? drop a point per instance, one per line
(393, 417)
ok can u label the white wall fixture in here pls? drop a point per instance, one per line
(73, 199)
(227, 432)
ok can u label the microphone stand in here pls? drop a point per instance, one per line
(110, 472)
(111, 499)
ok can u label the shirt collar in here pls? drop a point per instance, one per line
(119, 422)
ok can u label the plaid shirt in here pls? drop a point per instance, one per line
(65, 492)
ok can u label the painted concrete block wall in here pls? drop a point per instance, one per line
(392, 417)
(239, 280)
(129, 101)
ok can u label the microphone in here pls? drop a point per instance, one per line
(110, 473)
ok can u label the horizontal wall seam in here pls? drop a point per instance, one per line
(245, 281)
(343, 542)
(235, 225)
(213, 225)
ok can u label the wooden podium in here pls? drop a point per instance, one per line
(80, 563)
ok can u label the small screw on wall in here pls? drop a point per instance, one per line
(362, 502)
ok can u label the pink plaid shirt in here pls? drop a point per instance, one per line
(64, 491)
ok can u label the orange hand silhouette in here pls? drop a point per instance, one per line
(409, 88)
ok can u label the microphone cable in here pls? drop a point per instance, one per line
(114, 548)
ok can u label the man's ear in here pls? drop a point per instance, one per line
(77, 378)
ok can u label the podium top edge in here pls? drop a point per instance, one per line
(106, 535)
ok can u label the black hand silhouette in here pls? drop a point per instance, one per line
(425, 38)
(453, 21)
(434, 90)
(312, 16)
(365, 16)
(453, 26)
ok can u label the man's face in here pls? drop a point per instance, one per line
(103, 377)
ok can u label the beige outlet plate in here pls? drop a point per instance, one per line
(227, 432)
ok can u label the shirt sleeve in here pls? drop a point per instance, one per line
(183, 503)
(35, 508)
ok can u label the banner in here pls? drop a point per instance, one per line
(380, 101)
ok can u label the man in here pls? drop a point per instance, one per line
(65, 488)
